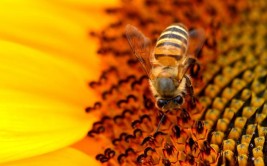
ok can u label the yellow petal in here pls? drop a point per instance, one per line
(46, 61)
(31, 125)
(92, 3)
(29, 70)
(42, 101)
(64, 157)
(53, 27)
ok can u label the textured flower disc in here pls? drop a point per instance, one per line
(227, 126)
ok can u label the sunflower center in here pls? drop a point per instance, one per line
(230, 85)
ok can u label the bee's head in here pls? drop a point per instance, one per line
(170, 103)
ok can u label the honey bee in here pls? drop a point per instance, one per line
(167, 64)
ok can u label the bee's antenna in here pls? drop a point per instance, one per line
(161, 120)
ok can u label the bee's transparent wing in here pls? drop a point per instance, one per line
(141, 46)
(196, 41)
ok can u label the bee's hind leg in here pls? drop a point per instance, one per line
(190, 61)
(195, 70)
(190, 91)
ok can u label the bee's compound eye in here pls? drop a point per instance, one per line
(178, 100)
(161, 103)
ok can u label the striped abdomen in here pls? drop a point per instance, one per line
(172, 44)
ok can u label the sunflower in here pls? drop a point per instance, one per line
(68, 100)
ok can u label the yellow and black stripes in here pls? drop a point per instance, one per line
(176, 36)
(177, 57)
(173, 36)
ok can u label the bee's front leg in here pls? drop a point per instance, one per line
(190, 91)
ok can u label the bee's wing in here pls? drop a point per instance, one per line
(141, 46)
(196, 41)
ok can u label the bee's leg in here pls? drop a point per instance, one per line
(190, 90)
(186, 65)
(190, 62)
(195, 70)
